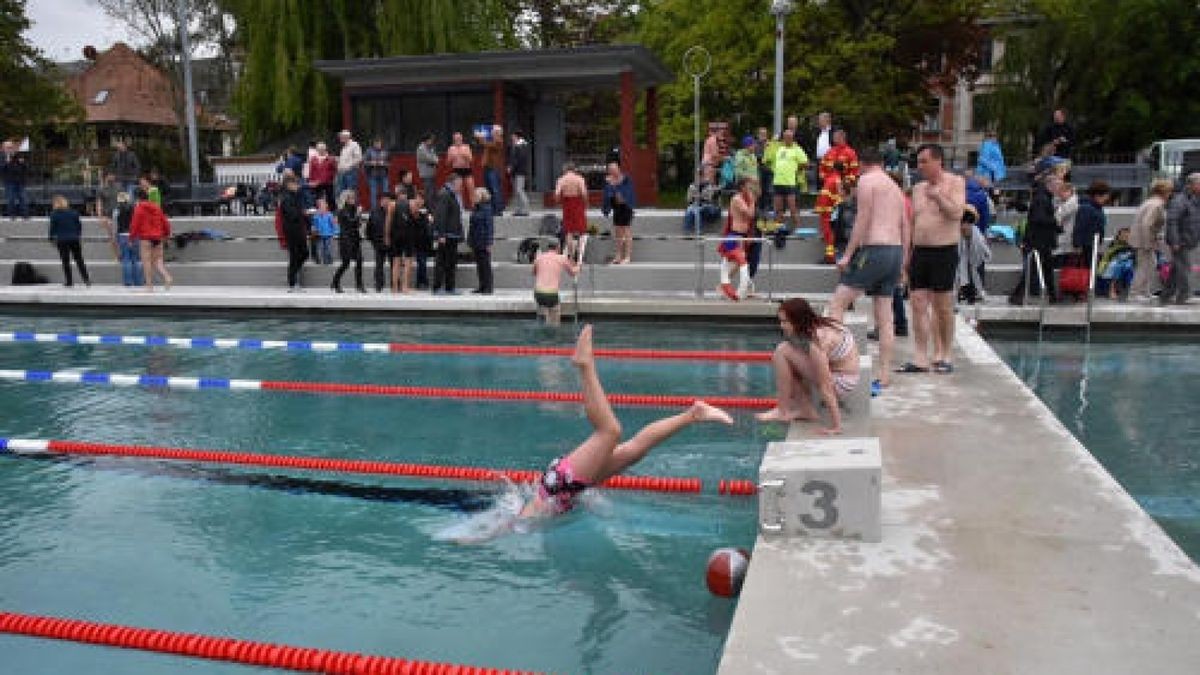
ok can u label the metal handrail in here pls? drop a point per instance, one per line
(1037, 259)
(1092, 279)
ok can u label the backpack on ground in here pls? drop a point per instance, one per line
(24, 274)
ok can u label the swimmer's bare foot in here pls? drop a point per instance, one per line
(772, 415)
(777, 415)
(703, 412)
(583, 348)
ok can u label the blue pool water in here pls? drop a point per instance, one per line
(356, 563)
(1134, 402)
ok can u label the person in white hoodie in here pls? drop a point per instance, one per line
(1066, 205)
(973, 254)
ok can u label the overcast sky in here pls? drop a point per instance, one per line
(61, 28)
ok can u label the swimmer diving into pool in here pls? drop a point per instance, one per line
(603, 454)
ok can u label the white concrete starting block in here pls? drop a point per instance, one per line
(827, 488)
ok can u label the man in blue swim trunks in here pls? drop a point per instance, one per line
(876, 254)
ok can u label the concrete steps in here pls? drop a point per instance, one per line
(666, 261)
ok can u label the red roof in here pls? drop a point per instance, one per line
(121, 86)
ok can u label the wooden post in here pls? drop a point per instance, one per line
(347, 113)
(498, 103)
(627, 119)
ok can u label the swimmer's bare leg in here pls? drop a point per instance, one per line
(632, 451)
(591, 457)
(792, 380)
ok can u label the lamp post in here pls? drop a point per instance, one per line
(697, 62)
(780, 9)
(185, 51)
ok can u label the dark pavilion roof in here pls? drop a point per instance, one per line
(547, 69)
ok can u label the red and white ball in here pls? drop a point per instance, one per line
(727, 571)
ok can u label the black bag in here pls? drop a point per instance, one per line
(24, 274)
(527, 250)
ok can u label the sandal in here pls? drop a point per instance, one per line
(910, 367)
(943, 367)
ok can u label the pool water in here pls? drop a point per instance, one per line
(1133, 401)
(356, 563)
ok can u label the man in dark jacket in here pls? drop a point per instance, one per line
(381, 223)
(15, 171)
(295, 230)
(1059, 134)
(1090, 220)
(1041, 234)
(126, 167)
(480, 237)
(447, 233)
(1182, 235)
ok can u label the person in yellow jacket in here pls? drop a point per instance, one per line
(787, 162)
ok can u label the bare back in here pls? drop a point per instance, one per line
(881, 209)
(570, 184)
(548, 268)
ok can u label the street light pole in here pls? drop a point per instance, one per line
(185, 49)
(781, 9)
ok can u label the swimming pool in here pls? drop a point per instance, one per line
(356, 563)
(1132, 400)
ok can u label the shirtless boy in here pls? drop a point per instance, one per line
(547, 278)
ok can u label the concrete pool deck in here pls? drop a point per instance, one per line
(1006, 549)
(1106, 314)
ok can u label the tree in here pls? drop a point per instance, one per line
(29, 98)
(873, 63)
(1114, 66)
(555, 23)
(280, 91)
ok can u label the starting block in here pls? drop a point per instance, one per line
(827, 488)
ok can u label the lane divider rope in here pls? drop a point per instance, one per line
(376, 347)
(246, 652)
(342, 388)
(30, 446)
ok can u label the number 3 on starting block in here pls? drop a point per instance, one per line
(825, 488)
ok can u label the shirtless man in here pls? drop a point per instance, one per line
(571, 192)
(877, 254)
(733, 246)
(547, 277)
(460, 159)
(938, 204)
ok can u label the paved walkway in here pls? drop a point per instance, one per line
(1006, 549)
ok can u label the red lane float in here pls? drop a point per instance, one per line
(651, 400)
(737, 487)
(641, 483)
(228, 649)
(632, 354)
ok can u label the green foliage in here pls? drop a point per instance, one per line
(29, 96)
(1127, 71)
(280, 91)
(870, 62)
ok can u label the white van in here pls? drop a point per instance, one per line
(1166, 157)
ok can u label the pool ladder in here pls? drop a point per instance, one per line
(1064, 317)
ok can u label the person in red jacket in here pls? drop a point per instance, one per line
(838, 168)
(322, 171)
(151, 228)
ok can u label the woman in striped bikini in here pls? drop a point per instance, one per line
(816, 351)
